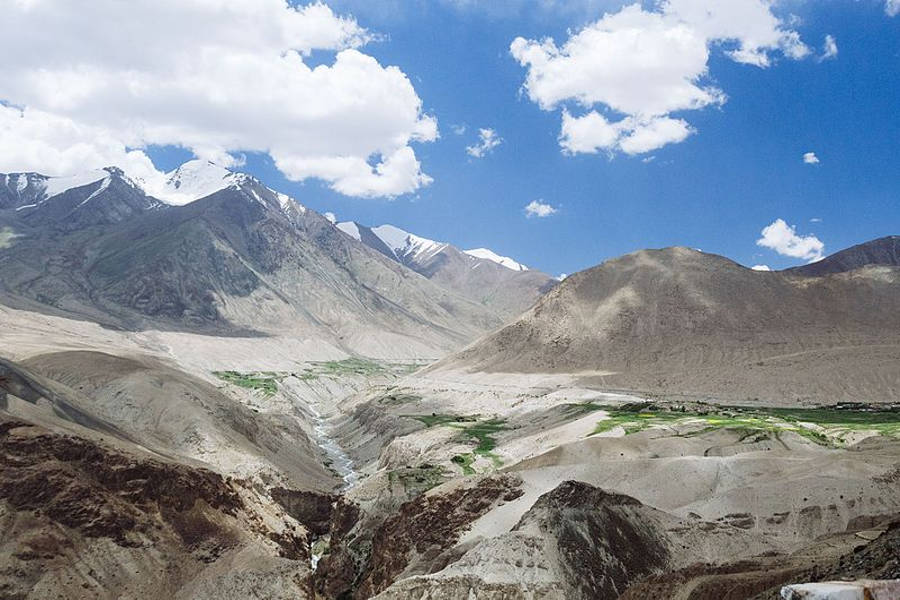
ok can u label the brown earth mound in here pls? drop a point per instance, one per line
(678, 321)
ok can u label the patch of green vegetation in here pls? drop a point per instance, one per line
(263, 381)
(306, 375)
(352, 366)
(886, 422)
(465, 462)
(484, 431)
(761, 423)
(355, 366)
(481, 431)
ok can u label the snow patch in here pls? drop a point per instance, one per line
(286, 201)
(350, 228)
(485, 254)
(407, 245)
(54, 186)
(197, 179)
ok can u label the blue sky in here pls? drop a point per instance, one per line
(715, 191)
(740, 169)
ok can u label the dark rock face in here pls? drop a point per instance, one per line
(339, 571)
(428, 525)
(105, 202)
(883, 251)
(310, 508)
(603, 539)
(103, 493)
(90, 518)
(418, 534)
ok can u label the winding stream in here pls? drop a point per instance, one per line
(340, 461)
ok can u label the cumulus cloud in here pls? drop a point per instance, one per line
(761, 268)
(487, 141)
(810, 158)
(94, 83)
(592, 133)
(783, 239)
(540, 209)
(892, 7)
(830, 49)
(629, 71)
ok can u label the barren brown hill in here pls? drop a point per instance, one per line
(678, 321)
(883, 251)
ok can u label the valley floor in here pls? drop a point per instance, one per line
(329, 476)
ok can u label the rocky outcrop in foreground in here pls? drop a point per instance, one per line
(82, 518)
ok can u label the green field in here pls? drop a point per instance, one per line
(831, 425)
(262, 381)
(473, 427)
(359, 366)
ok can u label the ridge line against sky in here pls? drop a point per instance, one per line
(681, 122)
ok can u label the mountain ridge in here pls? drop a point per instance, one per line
(244, 260)
(678, 321)
(484, 277)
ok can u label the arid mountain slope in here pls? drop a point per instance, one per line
(883, 251)
(679, 321)
(505, 290)
(243, 260)
(142, 400)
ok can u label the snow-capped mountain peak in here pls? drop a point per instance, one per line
(197, 179)
(485, 254)
(30, 190)
(407, 245)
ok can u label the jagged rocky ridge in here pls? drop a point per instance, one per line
(496, 282)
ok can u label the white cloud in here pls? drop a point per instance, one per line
(538, 208)
(783, 239)
(640, 66)
(487, 141)
(561, 276)
(592, 132)
(815, 220)
(458, 129)
(810, 158)
(761, 268)
(892, 7)
(330, 216)
(830, 49)
(219, 77)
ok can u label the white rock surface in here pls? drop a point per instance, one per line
(843, 590)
